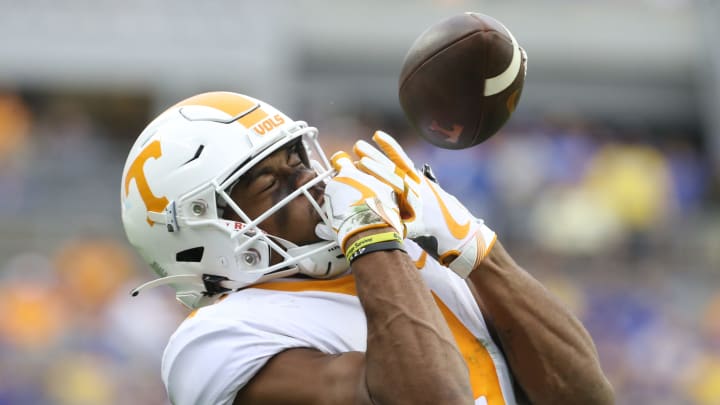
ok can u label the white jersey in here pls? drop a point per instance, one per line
(219, 348)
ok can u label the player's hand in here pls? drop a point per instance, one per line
(441, 224)
(356, 201)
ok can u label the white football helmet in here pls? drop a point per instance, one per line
(176, 185)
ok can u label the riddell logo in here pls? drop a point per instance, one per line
(269, 124)
(234, 225)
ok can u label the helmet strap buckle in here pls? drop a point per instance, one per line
(213, 284)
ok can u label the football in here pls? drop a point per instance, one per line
(461, 80)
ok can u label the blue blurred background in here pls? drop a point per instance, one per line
(605, 184)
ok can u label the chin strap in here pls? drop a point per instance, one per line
(318, 260)
(325, 261)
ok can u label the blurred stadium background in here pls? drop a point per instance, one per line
(605, 184)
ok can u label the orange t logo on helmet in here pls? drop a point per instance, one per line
(152, 203)
(250, 114)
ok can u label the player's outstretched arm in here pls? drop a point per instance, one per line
(548, 349)
(551, 354)
(411, 355)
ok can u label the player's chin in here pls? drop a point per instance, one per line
(309, 224)
(311, 240)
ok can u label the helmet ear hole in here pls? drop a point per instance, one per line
(190, 255)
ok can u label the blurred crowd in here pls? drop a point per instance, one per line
(622, 224)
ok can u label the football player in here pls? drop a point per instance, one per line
(342, 280)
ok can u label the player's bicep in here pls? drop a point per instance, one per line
(308, 376)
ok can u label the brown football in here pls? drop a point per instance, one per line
(461, 80)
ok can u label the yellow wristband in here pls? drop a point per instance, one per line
(376, 247)
(369, 240)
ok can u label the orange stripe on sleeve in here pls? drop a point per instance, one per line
(483, 376)
(420, 262)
